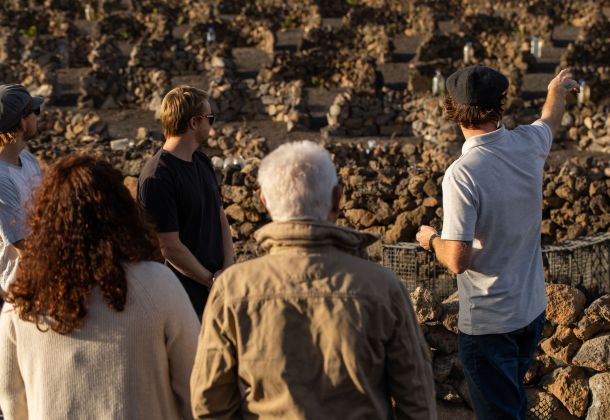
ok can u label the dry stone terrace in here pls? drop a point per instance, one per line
(356, 76)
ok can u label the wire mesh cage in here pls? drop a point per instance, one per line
(583, 263)
(541, 406)
(417, 267)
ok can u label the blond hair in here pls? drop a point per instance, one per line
(179, 106)
(8, 137)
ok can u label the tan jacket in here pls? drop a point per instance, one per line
(311, 331)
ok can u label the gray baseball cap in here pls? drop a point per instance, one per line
(15, 103)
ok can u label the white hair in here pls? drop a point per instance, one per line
(297, 180)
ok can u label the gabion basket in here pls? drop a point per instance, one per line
(583, 263)
(417, 267)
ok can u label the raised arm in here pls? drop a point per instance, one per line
(554, 106)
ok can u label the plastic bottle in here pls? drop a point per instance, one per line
(122, 144)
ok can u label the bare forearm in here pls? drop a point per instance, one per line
(554, 106)
(553, 109)
(227, 241)
(455, 255)
(185, 262)
(456, 260)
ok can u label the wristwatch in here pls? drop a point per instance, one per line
(432, 238)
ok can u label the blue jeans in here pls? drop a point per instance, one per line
(494, 367)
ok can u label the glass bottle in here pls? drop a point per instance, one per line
(536, 47)
(210, 37)
(468, 53)
(584, 94)
(89, 13)
(438, 84)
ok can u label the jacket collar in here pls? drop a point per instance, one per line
(278, 236)
(475, 141)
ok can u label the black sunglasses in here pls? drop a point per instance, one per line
(210, 117)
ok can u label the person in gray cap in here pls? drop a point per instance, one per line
(492, 206)
(19, 173)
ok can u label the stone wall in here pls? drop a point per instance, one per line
(393, 188)
(570, 376)
(389, 112)
(235, 99)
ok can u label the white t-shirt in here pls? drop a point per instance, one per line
(17, 183)
(492, 196)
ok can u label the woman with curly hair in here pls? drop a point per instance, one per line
(92, 327)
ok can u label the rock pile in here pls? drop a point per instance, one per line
(389, 112)
(576, 200)
(391, 17)
(328, 57)
(105, 84)
(571, 363)
(588, 125)
(284, 15)
(234, 98)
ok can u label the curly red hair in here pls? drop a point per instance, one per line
(84, 226)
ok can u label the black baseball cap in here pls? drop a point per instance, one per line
(15, 102)
(477, 85)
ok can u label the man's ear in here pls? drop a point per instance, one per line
(192, 123)
(22, 125)
(336, 196)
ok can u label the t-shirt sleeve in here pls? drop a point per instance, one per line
(459, 209)
(158, 197)
(11, 214)
(543, 134)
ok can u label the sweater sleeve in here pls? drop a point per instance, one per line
(181, 329)
(13, 400)
(408, 364)
(214, 381)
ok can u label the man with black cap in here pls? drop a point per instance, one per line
(19, 173)
(492, 206)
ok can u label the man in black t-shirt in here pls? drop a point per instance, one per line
(179, 192)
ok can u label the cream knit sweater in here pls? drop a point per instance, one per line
(128, 365)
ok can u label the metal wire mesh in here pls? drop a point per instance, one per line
(541, 406)
(416, 267)
(583, 263)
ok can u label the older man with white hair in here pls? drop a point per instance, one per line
(312, 330)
